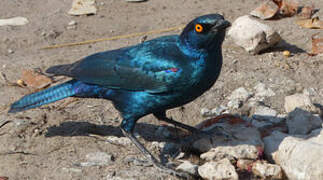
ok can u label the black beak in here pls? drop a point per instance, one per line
(221, 25)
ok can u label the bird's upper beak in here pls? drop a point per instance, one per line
(221, 25)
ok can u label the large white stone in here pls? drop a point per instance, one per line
(253, 35)
(300, 157)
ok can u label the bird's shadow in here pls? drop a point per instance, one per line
(284, 45)
(71, 128)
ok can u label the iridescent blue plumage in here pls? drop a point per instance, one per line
(150, 77)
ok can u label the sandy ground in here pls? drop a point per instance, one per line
(51, 142)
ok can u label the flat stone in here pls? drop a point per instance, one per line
(300, 121)
(264, 113)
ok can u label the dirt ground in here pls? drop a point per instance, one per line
(51, 142)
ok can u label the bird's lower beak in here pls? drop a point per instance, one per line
(222, 25)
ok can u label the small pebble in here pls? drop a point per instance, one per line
(10, 51)
(286, 53)
(72, 23)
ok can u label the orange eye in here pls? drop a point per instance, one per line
(198, 28)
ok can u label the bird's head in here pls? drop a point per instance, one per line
(205, 32)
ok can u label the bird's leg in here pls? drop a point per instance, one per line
(127, 129)
(162, 117)
(196, 133)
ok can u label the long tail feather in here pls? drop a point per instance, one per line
(47, 96)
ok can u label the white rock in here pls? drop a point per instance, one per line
(82, 7)
(72, 23)
(218, 170)
(245, 164)
(262, 91)
(234, 104)
(205, 112)
(10, 51)
(98, 159)
(300, 158)
(266, 170)
(252, 35)
(15, 21)
(187, 166)
(242, 151)
(218, 110)
(300, 121)
(302, 101)
(264, 113)
(119, 140)
(241, 94)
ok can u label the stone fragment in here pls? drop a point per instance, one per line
(218, 170)
(267, 171)
(119, 140)
(241, 94)
(300, 121)
(252, 35)
(98, 159)
(82, 7)
(262, 91)
(266, 10)
(15, 21)
(234, 104)
(187, 166)
(245, 164)
(302, 101)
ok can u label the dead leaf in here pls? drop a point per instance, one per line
(35, 79)
(266, 10)
(317, 45)
(288, 7)
(314, 23)
(306, 12)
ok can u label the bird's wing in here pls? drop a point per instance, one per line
(151, 66)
